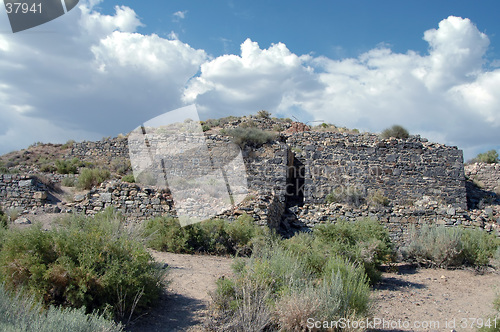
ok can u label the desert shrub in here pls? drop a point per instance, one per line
(249, 136)
(3, 219)
(13, 213)
(23, 313)
(478, 246)
(94, 263)
(248, 124)
(450, 246)
(276, 288)
(166, 233)
(395, 131)
(91, 177)
(3, 168)
(346, 194)
(365, 242)
(489, 157)
(121, 166)
(68, 144)
(68, 166)
(211, 236)
(496, 258)
(244, 234)
(263, 114)
(378, 198)
(70, 181)
(129, 178)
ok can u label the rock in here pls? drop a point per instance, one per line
(451, 211)
(22, 221)
(40, 195)
(79, 198)
(105, 197)
(488, 211)
(26, 183)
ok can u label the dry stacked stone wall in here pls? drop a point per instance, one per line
(402, 170)
(423, 181)
(485, 176)
(19, 191)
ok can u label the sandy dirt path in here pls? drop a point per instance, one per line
(185, 304)
(435, 299)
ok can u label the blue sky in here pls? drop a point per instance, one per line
(335, 29)
(107, 66)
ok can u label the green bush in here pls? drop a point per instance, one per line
(450, 246)
(248, 136)
(263, 114)
(94, 263)
(68, 144)
(496, 258)
(212, 236)
(490, 157)
(25, 314)
(276, 289)
(69, 181)
(3, 219)
(395, 131)
(364, 241)
(129, 178)
(92, 177)
(68, 166)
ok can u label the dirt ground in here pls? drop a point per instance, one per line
(184, 306)
(434, 299)
(402, 301)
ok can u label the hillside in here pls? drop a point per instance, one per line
(329, 173)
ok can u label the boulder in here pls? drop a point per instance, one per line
(22, 221)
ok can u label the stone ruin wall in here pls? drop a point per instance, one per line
(424, 181)
(404, 170)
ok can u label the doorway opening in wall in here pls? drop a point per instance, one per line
(295, 182)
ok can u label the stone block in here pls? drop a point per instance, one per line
(40, 195)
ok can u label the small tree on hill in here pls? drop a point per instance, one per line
(490, 157)
(395, 131)
(263, 114)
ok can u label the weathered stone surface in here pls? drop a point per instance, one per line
(22, 221)
(40, 195)
(79, 198)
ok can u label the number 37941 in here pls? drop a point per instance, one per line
(23, 8)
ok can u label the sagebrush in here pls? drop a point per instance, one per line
(212, 236)
(96, 263)
(450, 246)
(23, 313)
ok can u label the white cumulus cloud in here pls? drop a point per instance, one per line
(181, 14)
(91, 76)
